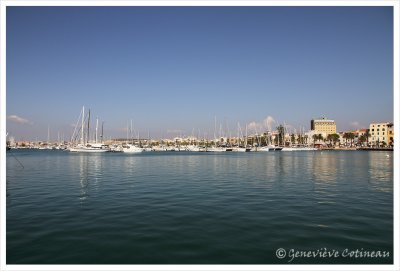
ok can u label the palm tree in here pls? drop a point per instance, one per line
(315, 137)
(293, 139)
(320, 137)
(362, 139)
(276, 140)
(281, 133)
(351, 136)
(346, 136)
(330, 138)
(367, 135)
(335, 138)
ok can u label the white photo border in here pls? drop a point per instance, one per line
(396, 100)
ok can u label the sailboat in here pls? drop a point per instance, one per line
(239, 148)
(270, 147)
(130, 147)
(216, 147)
(84, 145)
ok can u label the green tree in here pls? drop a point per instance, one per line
(346, 136)
(362, 139)
(349, 136)
(335, 138)
(293, 139)
(320, 137)
(263, 140)
(300, 139)
(281, 135)
(352, 136)
(330, 139)
(367, 136)
(315, 138)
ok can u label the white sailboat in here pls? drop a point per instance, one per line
(84, 145)
(239, 148)
(299, 148)
(130, 147)
(270, 148)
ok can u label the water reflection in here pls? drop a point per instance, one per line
(84, 177)
(202, 204)
(130, 162)
(381, 171)
(325, 167)
(90, 171)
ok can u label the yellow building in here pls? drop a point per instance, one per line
(323, 126)
(390, 134)
(381, 133)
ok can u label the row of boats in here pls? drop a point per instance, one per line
(131, 148)
(95, 147)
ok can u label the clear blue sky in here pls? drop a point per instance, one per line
(176, 68)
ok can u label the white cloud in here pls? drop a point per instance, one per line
(255, 126)
(19, 120)
(268, 122)
(260, 127)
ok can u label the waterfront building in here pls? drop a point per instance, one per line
(390, 134)
(381, 133)
(358, 134)
(323, 126)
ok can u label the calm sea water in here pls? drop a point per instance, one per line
(197, 208)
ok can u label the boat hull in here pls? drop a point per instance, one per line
(87, 150)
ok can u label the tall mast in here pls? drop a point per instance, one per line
(48, 134)
(88, 127)
(97, 126)
(246, 137)
(83, 119)
(102, 126)
(238, 135)
(215, 128)
(132, 131)
(127, 132)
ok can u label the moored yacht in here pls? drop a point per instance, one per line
(129, 148)
(299, 148)
(216, 149)
(270, 148)
(241, 149)
(85, 145)
(95, 147)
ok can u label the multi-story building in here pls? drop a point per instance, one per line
(381, 133)
(390, 134)
(323, 126)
